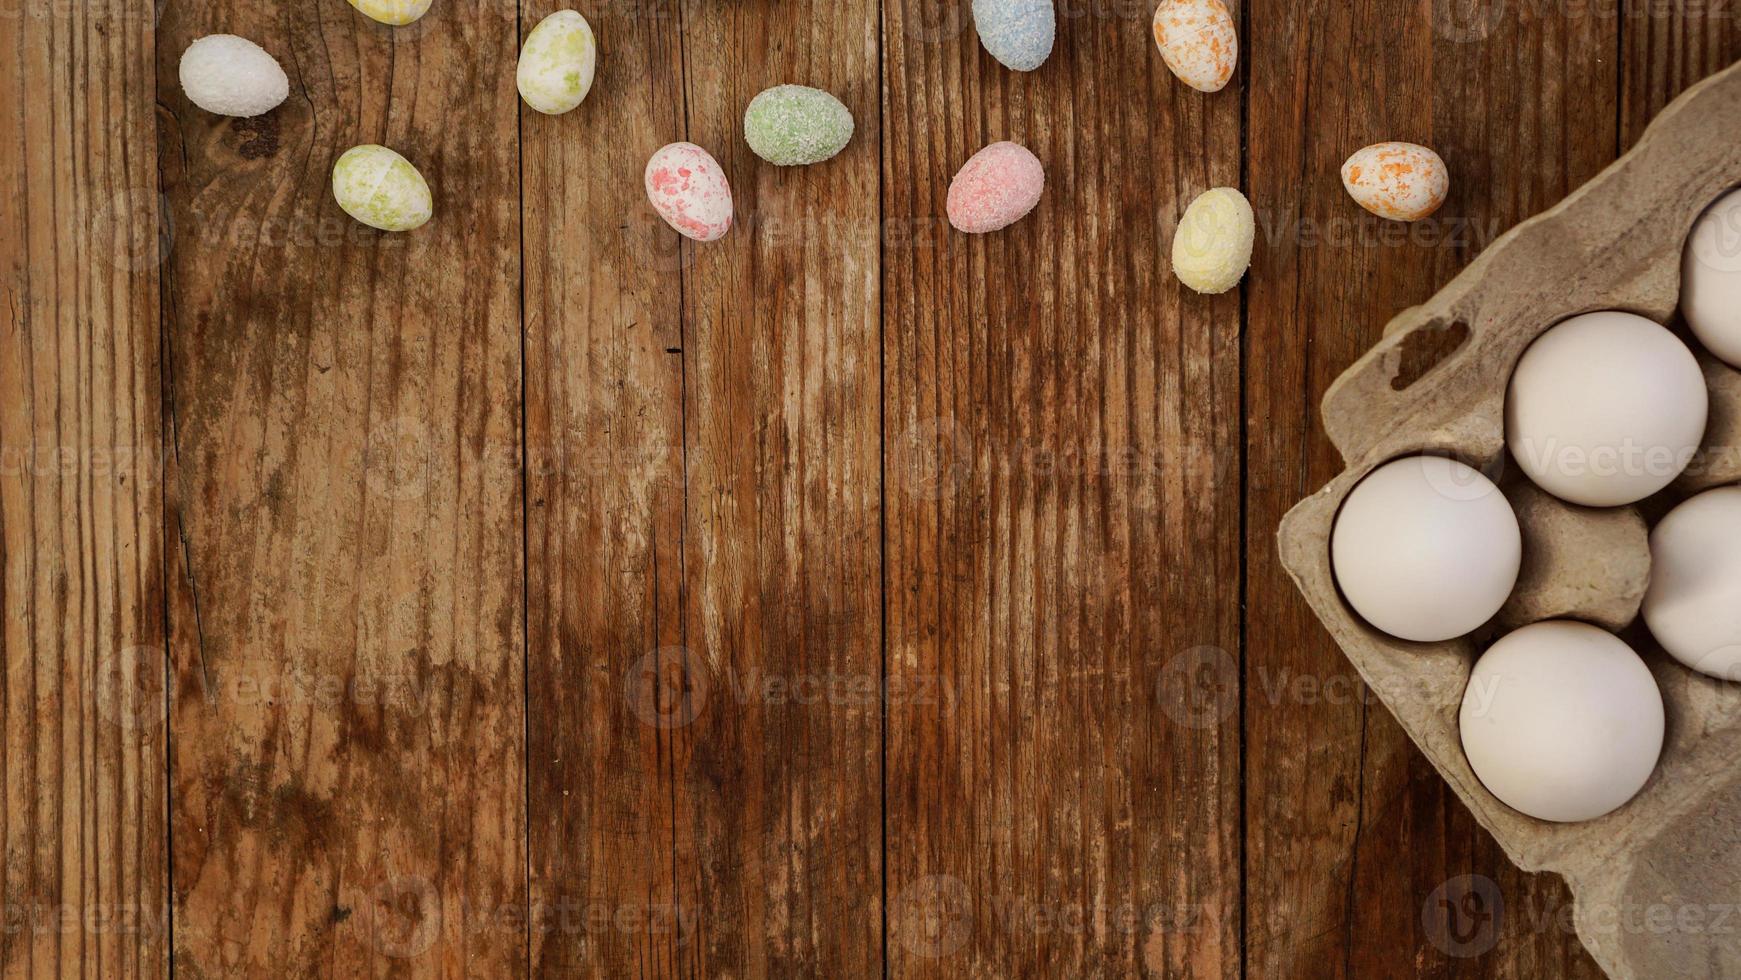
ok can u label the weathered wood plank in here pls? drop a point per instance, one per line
(604, 449)
(1063, 518)
(1666, 47)
(85, 886)
(779, 777)
(346, 623)
(1354, 844)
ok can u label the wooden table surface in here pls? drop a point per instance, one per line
(534, 593)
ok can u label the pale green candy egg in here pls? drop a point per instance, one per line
(790, 125)
(557, 63)
(395, 12)
(381, 189)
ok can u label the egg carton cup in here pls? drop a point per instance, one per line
(1657, 883)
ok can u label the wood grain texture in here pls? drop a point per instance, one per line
(604, 453)
(1665, 48)
(538, 593)
(779, 777)
(346, 617)
(85, 886)
(1062, 468)
(1354, 845)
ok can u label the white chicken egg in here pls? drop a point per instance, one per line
(1562, 721)
(1606, 409)
(1426, 548)
(1693, 607)
(1711, 280)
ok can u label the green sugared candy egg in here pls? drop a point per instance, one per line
(790, 125)
(557, 63)
(381, 189)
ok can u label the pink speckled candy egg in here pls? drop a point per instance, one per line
(689, 190)
(997, 187)
(1398, 181)
(1198, 42)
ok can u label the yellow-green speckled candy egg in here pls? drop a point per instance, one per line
(395, 12)
(381, 189)
(557, 63)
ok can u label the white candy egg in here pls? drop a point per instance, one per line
(557, 63)
(1397, 181)
(687, 186)
(1562, 721)
(1426, 548)
(1606, 409)
(1693, 607)
(1198, 42)
(395, 12)
(1212, 248)
(381, 189)
(232, 76)
(1711, 280)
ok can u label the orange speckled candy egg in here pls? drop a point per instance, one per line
(689, 190)
(1198, 42)
(1398, 181)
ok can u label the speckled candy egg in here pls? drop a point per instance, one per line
(395, 12)
(381, 189)
(1018, 33)
(557, 63)
(1198, 42)
(689, 190)
(1212, 249)
(997, 187)
(790, 125)
(232, 76)
(1398, 181)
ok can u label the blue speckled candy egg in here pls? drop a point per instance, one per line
(1018, 33)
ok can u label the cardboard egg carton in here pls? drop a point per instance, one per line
(1657, 883)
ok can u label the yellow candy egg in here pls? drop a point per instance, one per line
(1213, 246)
